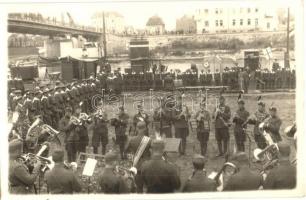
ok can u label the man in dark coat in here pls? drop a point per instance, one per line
(21, 181)
(109, 181)
(198, 182)
(180, 122)
(257, 118)
(100, 132)
(239, 120)
(120, 123)
(222, 115)
(59, 179)
(282, 176)
(132, 147)
(244, 178)
(203, 127)
(141, 116)
(158, 175)
(273, 124)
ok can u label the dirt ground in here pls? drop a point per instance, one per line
(285, 102)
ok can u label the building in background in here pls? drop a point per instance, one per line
(155, 26)
(114, 22)
(240, 19)
(186, 24)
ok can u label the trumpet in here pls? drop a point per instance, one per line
(50, 130)
(85, 117)
(76, 121)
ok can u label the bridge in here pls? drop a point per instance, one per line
(25, 26)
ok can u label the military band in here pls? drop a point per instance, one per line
(150, 172)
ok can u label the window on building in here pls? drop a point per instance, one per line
(249, 21)
(234, 22)
(256, 22)
(220, 11)
(268, 25)
(217, 23)
(216, 11)
(256, 9)
(234, 10)
(221, 22)
(206, 11)
(249, 10)
(206, 23)
(241, 10)
(241, 22)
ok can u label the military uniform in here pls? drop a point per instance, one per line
(282, 176)
(132, 147)
(21, 181)
(203, 129)
(120, 125)
(61, 180)
(181, 127)
(159, 176)
(199, 183)
(100, 134)
(141, 117)
(256, 119)
(240, 118)
(222, 129)
(111, 182)
(46, 113)
(165, 118)
(83, 137)
(272, 124)
(244, 179)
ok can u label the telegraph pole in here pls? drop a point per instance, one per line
(104, 40)
(287, 58)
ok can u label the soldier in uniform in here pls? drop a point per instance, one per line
(181, 126)
(239, 120)
(120, 125)
(272, 124)
(282, 176)
(158, 175)
(203, 127)
(222, 115)
(110, 181)
(83, 135)
(141, 116)
(46, 113)
(132, 146)
(258, 117)
(61, 180)
(100, 132)
(21, 181)
(244, 178)
(198, 182)
(164, 115)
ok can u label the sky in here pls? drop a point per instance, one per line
(136, 14)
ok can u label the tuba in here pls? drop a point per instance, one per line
(269, 155)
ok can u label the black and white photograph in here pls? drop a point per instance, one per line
(152, 97)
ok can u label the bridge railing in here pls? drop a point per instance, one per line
(49, 21)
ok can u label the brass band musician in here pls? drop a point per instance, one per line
(21, 180)
(222, 114)
(203, 127)
(141, 116)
